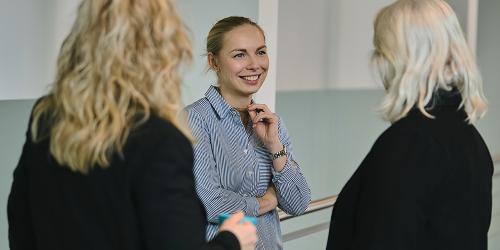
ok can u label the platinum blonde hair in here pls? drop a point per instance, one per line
(420, 48)
(119, 64)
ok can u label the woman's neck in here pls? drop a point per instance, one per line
(238, 102)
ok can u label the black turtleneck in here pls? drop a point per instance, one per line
(425, 184)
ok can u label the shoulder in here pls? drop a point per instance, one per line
(415, 126)
(199, 107)
(407, 150)
(399, 160)
(409, 140)
(159, 126)
(406, 137)
(447, 131)
(157, 148)
(157, 132)
(201, 114)
(44, 121)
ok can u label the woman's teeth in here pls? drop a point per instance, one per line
(251, 78)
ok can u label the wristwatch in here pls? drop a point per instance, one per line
(279, 154)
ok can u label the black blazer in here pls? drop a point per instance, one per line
(425, 184)
(145, 200)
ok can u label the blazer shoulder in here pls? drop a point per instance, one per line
(407, 138)
(156, 131)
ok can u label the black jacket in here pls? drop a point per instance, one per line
(145, 200)
(425, 184)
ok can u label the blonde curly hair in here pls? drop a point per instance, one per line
(119, 64)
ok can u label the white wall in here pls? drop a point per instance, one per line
(326, 44)
(353, 43)
(268, 20)
(467, 12)
(33, 30)
(302, 39)
(460, 8)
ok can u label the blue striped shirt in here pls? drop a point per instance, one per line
(232, 168)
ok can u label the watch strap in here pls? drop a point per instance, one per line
(279, 154)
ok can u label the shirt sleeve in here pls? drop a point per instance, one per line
(293, 191)
(215, 198)
(170, 214)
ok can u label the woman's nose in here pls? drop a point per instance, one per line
(252, 63)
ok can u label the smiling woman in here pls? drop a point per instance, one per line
(241, 63)
(243, 153)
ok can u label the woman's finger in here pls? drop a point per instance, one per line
(252, 114)
(262, 107)
(261, 117)
(234, 218)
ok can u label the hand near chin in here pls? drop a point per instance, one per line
(265, 125)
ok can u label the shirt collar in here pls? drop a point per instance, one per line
(220, 105)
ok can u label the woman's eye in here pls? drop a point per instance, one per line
(261, 52)
(239, 55)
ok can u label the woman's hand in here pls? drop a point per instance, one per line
(269, 201)
(244, 231)
(265, 125)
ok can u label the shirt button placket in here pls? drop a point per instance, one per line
(249, 173)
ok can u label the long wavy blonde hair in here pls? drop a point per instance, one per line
(119, 64)
(420, 48)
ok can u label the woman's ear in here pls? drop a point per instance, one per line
(212, 62)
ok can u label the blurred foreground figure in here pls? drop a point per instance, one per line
(106, 163)
(426, 182)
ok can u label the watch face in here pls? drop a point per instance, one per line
(279, 154)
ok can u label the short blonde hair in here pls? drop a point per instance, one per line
(420, 48)
(119, 63)
(216, 35)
